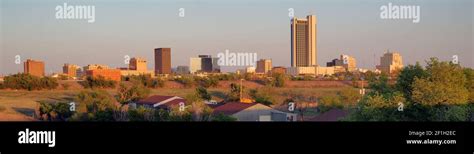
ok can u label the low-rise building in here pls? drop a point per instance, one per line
(314, 70)
(253, 112)
(182, 70)
(72, 71)
(264, 66)
(278, 70)
(158, 102)
(109, 74)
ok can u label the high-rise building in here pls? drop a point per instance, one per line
(163, 61)
(138, 64)
(204, 63)
(303, 42)
(72, 71)
(194, 64)
(390, 62)
(264, 66)
(34, 67)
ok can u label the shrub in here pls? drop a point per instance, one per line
(29, 82)
(54, 111)
(146, 80)
(187, 81)
(98, 82)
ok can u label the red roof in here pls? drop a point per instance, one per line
(155, 99)
(232, 108)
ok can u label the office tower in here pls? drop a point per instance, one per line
(194, 64)
(162, 61)
(34, 67)
(264, 66)
(303, 42)
(71, 70)
(138, 64)
(206, 63)
(390, 62)
(215, 65)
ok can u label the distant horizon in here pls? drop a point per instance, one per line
(135, 28)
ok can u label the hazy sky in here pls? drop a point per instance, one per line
(135, 27)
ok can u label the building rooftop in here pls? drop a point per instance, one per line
(232, 108)
(159, 100)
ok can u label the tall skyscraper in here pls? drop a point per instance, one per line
(303, 42)
(163, 61)
(34, 67)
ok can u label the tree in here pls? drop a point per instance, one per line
(380, 85)
(58, 111)
(469, 72)
(95, 105)
(263, 95)
(328, 102)
(349, 96)
(98, 82)
(141, 114)
(234, 94)
(29, 82)
(222, 118)
(134, 93)
(444, 85)
(279, 80)
(202, 93)
(406, 78)
(198, 109)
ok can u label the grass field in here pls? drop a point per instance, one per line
(19, 105)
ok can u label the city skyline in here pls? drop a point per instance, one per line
(203, 31)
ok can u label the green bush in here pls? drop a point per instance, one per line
(187, 81)
(54, 111)
(223, 118)
(263, 95)
(146, 80)
(98, 82)
(29, 82)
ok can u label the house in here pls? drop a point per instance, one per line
(253, 112)
(158, 102)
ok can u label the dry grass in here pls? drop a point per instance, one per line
(19, 105)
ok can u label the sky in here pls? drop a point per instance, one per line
(30, 29)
